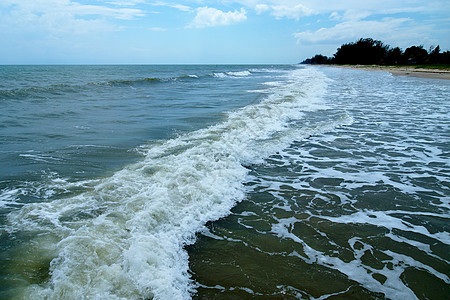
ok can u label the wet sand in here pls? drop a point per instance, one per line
(403, 71)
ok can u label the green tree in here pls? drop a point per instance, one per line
(416, 55)
(394, 56)
(364, 51)
(317, 60)
(435, 56)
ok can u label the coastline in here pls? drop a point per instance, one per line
(401, 71)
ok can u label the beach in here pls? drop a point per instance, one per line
(402, 71)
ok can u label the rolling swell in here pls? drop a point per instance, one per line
(146, 81)
(55, 89)
(125, 237)
(41, 90)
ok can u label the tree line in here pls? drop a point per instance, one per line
(367, 51)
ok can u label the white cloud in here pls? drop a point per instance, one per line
(118, 13)
(126, 2)
(373, 6)
(386, 29)
(172, 5)
(290, 12)
(355, 15)
(284, 11)
(335, 16)
(209, 17)
(53, 17)
(158, 29)
(182, 7)
(297, 8)
(71, 7)
(260, 8)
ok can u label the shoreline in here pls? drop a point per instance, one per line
(401, 71)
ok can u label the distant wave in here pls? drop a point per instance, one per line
(40, 91)
(265, 70)
(232, 74)
(148, 80)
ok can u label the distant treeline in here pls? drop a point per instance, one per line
(373, 52)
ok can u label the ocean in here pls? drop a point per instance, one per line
(223, 182)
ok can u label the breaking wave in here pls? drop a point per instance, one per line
(124, 236)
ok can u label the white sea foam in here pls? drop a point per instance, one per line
(393, 288)
(274, 83)
(50, 185)
(40, 157)
(125, 238)
(239, 73)
(385, 219)
(8, 197)
(220, 75)
(236, 74)
(264, 70)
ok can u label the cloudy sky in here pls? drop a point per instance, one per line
(209, 31)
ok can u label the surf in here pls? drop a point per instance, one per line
(124, 236)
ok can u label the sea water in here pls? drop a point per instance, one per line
(179, 182)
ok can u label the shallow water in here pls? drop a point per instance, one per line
(359, 211)
(223, 181)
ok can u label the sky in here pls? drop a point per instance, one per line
(209, 31)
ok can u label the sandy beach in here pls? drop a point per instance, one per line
(402, 71)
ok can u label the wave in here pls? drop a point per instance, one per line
(148, 80)
(265, 70)
(51, 185)
(40, 157)
(235, 74)
(8, 197)
(42, 91)
(37, 92)
(125, 237)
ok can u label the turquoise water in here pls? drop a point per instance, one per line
(178, 182)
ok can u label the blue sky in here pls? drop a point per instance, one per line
(209, 32)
